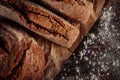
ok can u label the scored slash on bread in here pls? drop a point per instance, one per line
(79, 10)
(23, 57)
(43, 22)
(59, 25)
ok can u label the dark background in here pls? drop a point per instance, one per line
(98, 55)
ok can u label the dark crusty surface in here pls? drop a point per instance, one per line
(43, 22)
(33, 64)
(57, 33)
(80, 10)
(77, 11)
(21, 58)
(11, 50)
(80, 13)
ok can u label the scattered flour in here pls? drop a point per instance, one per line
(99, 53)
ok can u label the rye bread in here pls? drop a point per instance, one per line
(58, 26)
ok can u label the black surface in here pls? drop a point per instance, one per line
(98, 55)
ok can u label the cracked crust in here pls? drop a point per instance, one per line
(45, 23)
(80, 10)
(20, 55)
(51, 27)
(11, 51)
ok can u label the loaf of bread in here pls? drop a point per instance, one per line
(21, 58)
(38, 36)
(45, 23)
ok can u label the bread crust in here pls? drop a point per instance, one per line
(54, 30)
